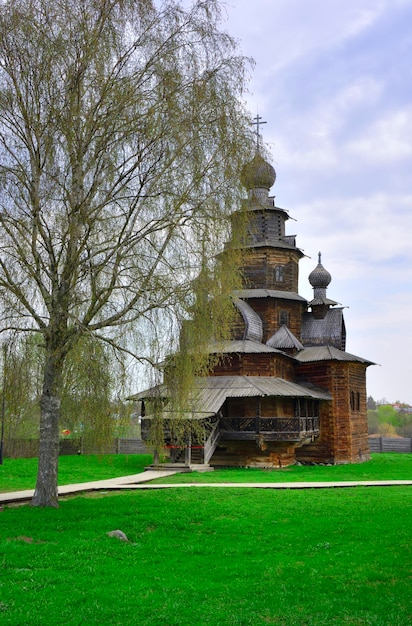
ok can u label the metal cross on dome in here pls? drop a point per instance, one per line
(257, 121)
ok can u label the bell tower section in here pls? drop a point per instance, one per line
(269, 257)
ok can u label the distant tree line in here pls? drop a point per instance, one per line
(389, 420)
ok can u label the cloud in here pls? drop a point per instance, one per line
(294, 29)
(386, 139)
(362, 226)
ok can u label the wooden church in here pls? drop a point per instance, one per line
(286, 390)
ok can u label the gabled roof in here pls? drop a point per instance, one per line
(284, 338)
(328, 353)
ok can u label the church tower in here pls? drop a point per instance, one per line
(270, 257)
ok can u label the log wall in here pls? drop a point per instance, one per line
(267, 407)
(253, 454)
(343, 428)
(259, 268)
(360, 450)
(264, 364)
(270, 311)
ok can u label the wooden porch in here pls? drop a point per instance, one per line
(198, 450)
(268, 428)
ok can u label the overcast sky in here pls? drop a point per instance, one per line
(333, 80)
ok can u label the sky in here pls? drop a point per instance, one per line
(333, 81)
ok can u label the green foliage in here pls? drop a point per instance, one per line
(93, 379)
(390, 422)
(387, 414)
(92, 383)
(387, 430)
(21, 369)
(211, 557)
(371, 404)
(373, 422)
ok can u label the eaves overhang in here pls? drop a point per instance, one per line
(248, 294)
(210, 393)
(314, 354)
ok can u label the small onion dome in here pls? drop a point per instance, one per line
(258, 173)
(320, 277)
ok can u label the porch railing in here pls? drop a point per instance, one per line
(272, 427)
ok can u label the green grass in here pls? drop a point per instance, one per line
(20, 474)
(386, 466)
(211, 557)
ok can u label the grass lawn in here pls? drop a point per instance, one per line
(18, 474)
(386, 466)
(211, 557)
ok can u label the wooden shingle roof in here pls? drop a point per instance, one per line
(283, 339)
(322, 332)
(328, 353)
(253, 322)
(239, 346)
(211, 392)
(269, 293)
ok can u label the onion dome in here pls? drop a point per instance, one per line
(258, 174)
(320, 277)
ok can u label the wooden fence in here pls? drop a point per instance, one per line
(28, 448)
(386, 444)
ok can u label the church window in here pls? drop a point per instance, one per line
(279, 274)
(355, 401)
(284, 318)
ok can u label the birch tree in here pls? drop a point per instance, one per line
(122, 135)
